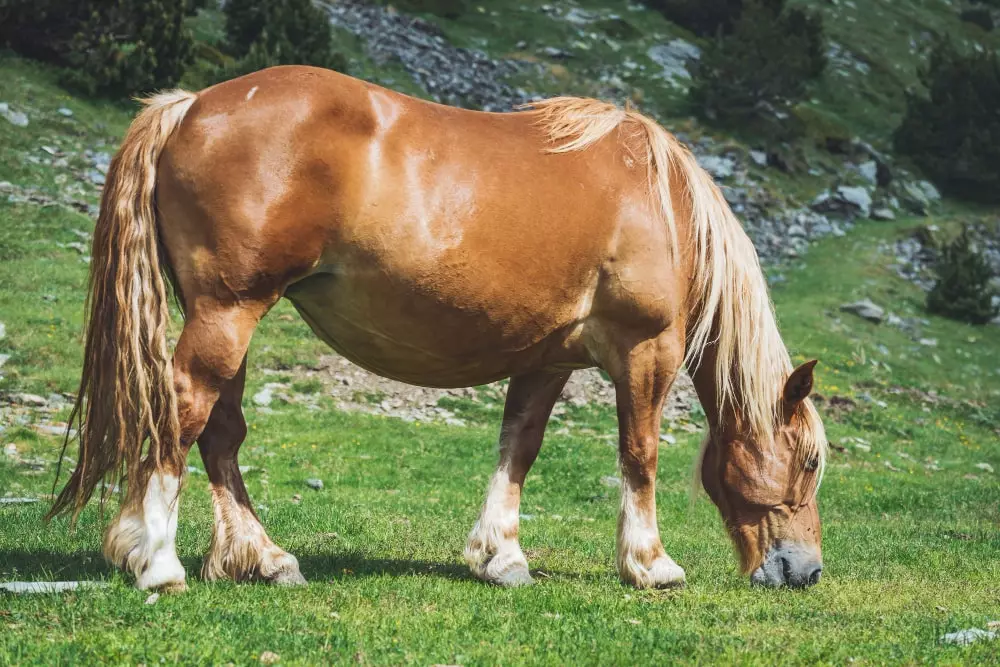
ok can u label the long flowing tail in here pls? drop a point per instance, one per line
(126, 395)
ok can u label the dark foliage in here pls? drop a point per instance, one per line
(702, 17)
(962, 291)
(107, 46)
(263, 33)
(449, 9)
(760, 70)
(980, 16)
(953, 130)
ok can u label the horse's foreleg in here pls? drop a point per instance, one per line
(209, 354)
(240, 548)
(493, 552)
(642, 381)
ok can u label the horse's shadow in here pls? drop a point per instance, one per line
(48, 565)
(44, 565)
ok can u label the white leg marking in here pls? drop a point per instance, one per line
(641, 559)
(492, 552)
(241, 549)
(143, 540)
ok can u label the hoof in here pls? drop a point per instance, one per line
(514, 578)
(661, 573)
(665, 573)
(288, 576)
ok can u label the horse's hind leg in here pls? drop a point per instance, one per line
(493, 552)
(209, 354)
(240, 548)
(643, 376)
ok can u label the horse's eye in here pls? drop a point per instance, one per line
(812, 464)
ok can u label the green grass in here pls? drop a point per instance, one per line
(909, 555)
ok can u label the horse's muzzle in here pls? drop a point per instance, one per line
(789, 564)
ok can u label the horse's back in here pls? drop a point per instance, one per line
(390, 219)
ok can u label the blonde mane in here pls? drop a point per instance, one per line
(728, 293)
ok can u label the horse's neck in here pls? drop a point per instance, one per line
(704, 378)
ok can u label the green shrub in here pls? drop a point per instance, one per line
(702, 17)
(760, 70)
(449, 9)
(263, 33)
(962, 291)
(953, 131)
(980, 16)
(107, 46)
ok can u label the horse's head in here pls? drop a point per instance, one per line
(766, 492)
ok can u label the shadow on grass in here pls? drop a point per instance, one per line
(323, 567)
(52, 565)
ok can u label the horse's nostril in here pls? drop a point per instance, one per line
(786, 570)
(814, 576)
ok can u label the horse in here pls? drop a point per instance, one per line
(441, 247)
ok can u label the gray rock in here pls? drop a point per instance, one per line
(929, 191)
(865, 309)
(4, 358)
(858, 197)
(869, 171)
(667, 438)
(968, 636)
(63, 111)
(3, 330)
(31, 400)
(15, 118)
(36, 587)
(314, 483)
(18, 501)
(759, 158)
(883, 213)
(720, 167)
(673, 58)
(985, 467)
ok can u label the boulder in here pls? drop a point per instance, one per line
(673, 58)
(865, 309)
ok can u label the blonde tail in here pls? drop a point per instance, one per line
(126, 394)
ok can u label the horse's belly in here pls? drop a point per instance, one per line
(416, 335)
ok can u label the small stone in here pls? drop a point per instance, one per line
(667, 438)
(269, 657)
(866, 310)
(194, 470)
(15, 118)
(985, 467)
(968, 636)
(31, 400)
(36, 587)
(63, 111)
(883, 213)
(314, 483)
(928, 342)
(719, 167)
(869, 171)
(611, 482)
(263, 397)
(152, 598)
(759, 158)
(3, 330)
(4, 358)
(858, 197)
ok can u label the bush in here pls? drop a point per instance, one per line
(763, 68)
(702, 17)
(953, 133)
(979, 16)
(107, 46)
(962, 291)
(449, 9)
(263, 33)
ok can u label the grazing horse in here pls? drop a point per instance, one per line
(440, 247)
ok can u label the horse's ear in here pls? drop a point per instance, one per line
(799, 384)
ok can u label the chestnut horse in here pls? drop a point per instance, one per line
(445, 248)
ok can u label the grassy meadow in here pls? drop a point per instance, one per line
(911, 524)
